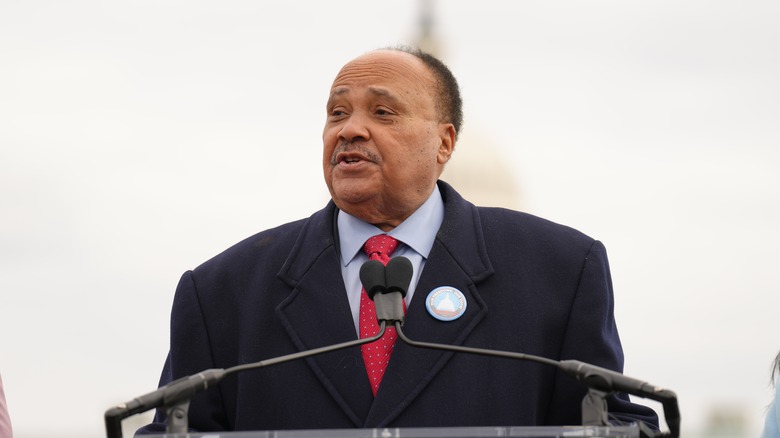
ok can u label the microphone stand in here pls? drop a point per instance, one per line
(600, 381)
(175, 396)
(388, 291)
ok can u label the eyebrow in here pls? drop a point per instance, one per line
(377, 91)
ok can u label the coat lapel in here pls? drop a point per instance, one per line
(458, 259)
(317, 314)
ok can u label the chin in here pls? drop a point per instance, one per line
(346, 200)
(352, 192)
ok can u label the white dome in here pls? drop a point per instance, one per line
(479, 172)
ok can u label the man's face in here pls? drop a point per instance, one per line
(383, 145)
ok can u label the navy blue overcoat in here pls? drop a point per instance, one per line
(531, 285)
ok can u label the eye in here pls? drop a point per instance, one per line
(382, 112)
(337, 112)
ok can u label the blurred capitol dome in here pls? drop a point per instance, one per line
(480, 174)
(477, 169)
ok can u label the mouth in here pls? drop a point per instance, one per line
(349, 159)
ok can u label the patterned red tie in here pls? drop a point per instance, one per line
(376, 355)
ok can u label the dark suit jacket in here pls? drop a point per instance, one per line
(532, 286)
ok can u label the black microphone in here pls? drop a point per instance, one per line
(168, 395)
(372, 276)
(385, 285)
(607, 380)
(398, 276)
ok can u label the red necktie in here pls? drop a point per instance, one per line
(376, 355)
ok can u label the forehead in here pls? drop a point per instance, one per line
(385, 72)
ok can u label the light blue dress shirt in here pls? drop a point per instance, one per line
(415, 236)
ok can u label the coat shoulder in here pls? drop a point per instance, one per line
(530, 230)
(268, 243)
(268, 250)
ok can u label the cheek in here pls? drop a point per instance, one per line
(430, 151)
(415, 166)
(328, 145)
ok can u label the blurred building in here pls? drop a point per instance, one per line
(477, 169)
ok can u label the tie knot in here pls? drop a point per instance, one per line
(380, 247)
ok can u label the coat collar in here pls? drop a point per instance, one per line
(458, 259)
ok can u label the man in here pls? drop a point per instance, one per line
(521, 284)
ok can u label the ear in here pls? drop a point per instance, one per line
(447, 145)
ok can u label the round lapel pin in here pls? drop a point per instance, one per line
(446, 303)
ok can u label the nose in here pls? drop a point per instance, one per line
(355, 128)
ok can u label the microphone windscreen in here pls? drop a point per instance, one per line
(372, 275)
(398, 275)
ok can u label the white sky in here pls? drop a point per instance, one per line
(138, 139)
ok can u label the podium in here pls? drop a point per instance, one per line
(628, 431)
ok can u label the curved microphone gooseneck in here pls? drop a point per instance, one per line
(602, 380)
(175, 396)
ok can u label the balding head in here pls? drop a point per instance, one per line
(385, 142)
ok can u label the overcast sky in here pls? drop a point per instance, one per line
(140, 138)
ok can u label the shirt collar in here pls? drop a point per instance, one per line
(418, 231)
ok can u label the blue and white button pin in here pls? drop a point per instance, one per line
(446, 303)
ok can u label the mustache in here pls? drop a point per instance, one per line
(353, 147)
